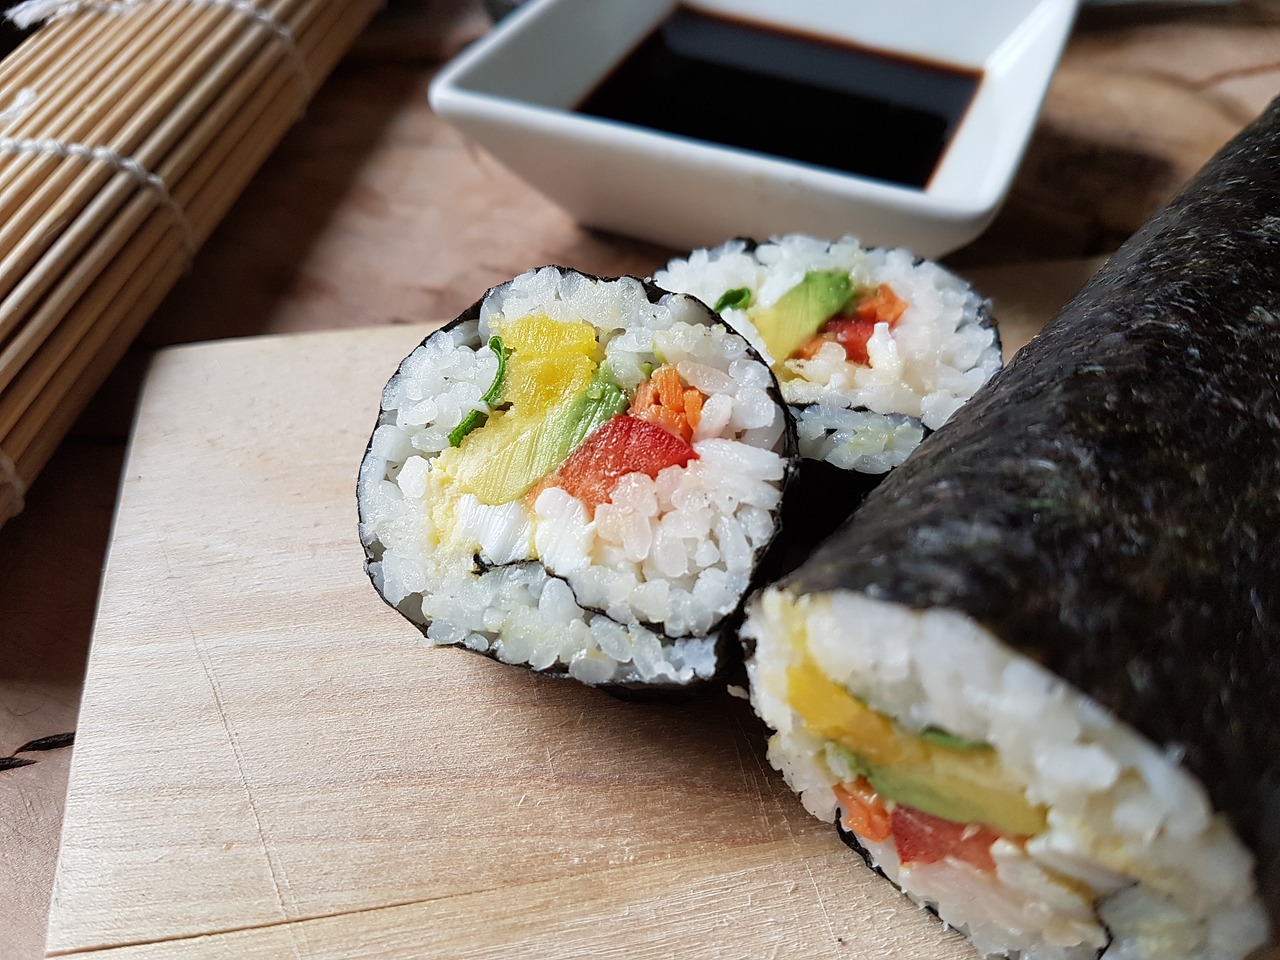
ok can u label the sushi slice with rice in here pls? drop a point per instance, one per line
(873, 348)
(580, 475)
(1033, 680)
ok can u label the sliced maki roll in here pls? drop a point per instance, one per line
(873, 348)
(580, 475)
(1034, 679)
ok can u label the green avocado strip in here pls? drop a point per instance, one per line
(602, 400)
(491, 396)
(803, 310)
(940, 736)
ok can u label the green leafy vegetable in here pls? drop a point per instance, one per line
(491, 396)
(494, 393)
(738, 297)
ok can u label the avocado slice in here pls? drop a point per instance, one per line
(962, 789)
(938, 735)
(801, 312)
(961, 780)
(504, 460)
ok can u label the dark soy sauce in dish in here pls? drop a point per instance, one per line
(789, 95)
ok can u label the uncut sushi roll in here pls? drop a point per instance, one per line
(1034, 679)
(579, 475)
(873, 348)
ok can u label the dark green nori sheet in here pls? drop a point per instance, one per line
(1109, 504)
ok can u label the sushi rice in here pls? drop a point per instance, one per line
(636, 589)
(1075, 837)
(863, 415)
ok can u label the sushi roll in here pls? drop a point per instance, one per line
(873, 348)
(579, 475)
(1034, 680)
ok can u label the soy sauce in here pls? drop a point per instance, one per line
(789, 95)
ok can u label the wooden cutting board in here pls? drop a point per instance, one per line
(268, 764)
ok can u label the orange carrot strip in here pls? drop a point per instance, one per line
(645, 397)
(693, 408)
(864, 813)
(883, 306)
(667, 419)
(664, 400)
(666, 380)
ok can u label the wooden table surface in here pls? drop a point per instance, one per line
(373, 212)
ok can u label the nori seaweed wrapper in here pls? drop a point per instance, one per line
(1109, 504)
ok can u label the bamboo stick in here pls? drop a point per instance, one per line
(189, 97)
(55, 48)
(197, 65)
(259, 141)
(35, 266)
(116, 286)
(67, 358)
(182, 80)
(237, 170)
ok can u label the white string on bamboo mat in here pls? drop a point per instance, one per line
(47, 146)
(22, 102)
(13, 498)
(30, 12)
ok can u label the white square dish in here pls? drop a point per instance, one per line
(515, 91)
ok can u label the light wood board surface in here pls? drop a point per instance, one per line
(269, 764)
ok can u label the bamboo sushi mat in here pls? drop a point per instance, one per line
(129, 128)
(289, 773)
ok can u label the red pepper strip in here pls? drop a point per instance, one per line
(619, 446)
(923, 838)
